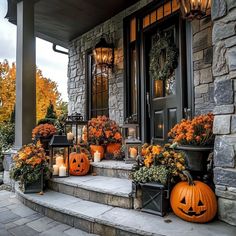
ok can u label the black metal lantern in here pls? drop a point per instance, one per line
(194, 9)
(133, 147)
(59, 156)
(104, 53)
(130, 131)
(76, 129)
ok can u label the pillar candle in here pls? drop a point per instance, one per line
(70, 136)
(55, 170)
(62, 170)
(133, 152)
(132, 132)
(59, 161)
(97, 156)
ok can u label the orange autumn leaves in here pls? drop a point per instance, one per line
(30, 154)
(197, 131)
(102, 130)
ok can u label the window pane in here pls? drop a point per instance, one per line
(133, 82)
(99, 91)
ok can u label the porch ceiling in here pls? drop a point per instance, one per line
(59, 21)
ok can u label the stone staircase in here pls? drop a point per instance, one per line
(101, 203)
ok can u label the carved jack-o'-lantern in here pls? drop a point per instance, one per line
(193, 201)
(79, 163)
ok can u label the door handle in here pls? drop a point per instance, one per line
(148, 104)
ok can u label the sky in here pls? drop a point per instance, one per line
(52, 64)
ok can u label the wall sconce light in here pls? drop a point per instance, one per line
(104, 53)
(194, 9)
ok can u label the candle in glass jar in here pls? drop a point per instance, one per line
(133, 152)
(70, 136)
(97, 156)
(55, 170)
(59, 161)
(132, 132)
(62, 170)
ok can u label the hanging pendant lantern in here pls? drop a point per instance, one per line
(104, 53)
(194, 9)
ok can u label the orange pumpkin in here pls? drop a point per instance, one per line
(79, 163)
(113, 147)
(94, 148)
(193, 201)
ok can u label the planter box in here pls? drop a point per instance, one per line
(35, 187)
(154, 197)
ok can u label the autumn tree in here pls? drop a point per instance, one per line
(46, 93)
(7, 89)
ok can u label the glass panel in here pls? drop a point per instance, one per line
(158, 88)
(133, 82)
(170, 85)
(146, 21)
(153, 17)
(175, 5)
(159, 125)
(167, 9)
(133, 30)
(160, 13)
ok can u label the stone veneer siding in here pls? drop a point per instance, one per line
(76, 67)
(224, 72)
(202, 66)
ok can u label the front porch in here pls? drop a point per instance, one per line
(202, 81)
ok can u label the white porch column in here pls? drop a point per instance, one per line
(25, 73)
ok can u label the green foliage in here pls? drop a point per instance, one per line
(51, 112)
(46, 121)
(152, 174)
(7, 135)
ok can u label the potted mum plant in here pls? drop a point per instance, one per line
(158, 168)
(113, 137)
(96, 135)
(195, 137)
(44, 133)
(30, 168)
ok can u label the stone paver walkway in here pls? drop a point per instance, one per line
(19, 220)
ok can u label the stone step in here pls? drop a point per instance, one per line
(110, 168)
(100, 189)
(113, 221)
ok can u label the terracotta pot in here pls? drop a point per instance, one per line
(113, 147)
(99, 148)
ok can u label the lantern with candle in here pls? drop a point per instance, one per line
(130, 130)
(59, 155)
(76, 129)
(133, 148)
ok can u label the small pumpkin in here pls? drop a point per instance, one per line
(193, 201)
(79, 163)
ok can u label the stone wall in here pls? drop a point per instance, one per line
(76, 67)
(224, 72)
(202, 66)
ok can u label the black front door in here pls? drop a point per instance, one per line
(164, 98)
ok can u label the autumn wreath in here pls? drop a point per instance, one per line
(157, 70)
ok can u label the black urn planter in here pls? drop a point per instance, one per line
(196, 157)
(154, 197)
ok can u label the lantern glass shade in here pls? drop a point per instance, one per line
(59, 156)
(133, 148)
(103, 53)
(76, 129)
(195, 8)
